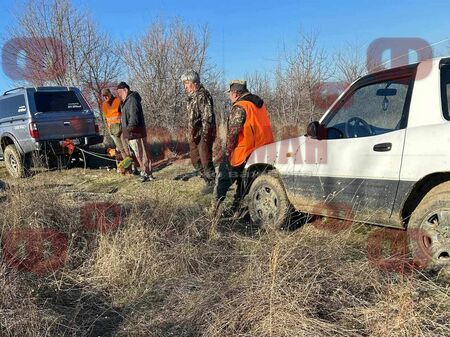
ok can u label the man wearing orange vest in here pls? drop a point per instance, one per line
(248, 128)
(111, 111)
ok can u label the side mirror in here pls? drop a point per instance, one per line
(316, 130)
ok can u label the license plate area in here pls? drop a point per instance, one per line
(75, 141)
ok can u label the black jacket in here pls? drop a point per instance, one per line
(133, 116)
(256, 100)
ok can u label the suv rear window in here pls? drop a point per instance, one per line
(445, 90)
(12, 106)
(55, 101)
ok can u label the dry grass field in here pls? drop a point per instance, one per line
(154, 269)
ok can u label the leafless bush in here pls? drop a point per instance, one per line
(296, 78)
(290, 92)
(293, 91)
(351, 63)
(155, 63)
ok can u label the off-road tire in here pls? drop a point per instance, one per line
(15, 163)
(268, 204)
(429, 229)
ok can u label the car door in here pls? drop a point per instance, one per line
(13, 117)
(354, 171)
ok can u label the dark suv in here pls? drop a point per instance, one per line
(37, 120)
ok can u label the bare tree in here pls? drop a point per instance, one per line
(259, 83)
(351, 63)
(290, 92)
(61, 45)
(296, 78)
(155, 63)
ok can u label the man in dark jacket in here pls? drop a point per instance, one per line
(202, 127)
(133, 124)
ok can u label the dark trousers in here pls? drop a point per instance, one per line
(227, 176)
(201, 157)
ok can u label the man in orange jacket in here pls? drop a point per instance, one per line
(111, 111)
(248, 128)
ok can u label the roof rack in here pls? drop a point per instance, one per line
(11, 90)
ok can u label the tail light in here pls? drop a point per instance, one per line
(97, 128)
(34, 132)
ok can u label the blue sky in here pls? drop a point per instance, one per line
(249, 35)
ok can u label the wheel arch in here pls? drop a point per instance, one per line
(260, 168)
(419, 191)
(9, 139)
(255, 170)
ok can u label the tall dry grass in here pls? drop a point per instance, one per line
(20, 315)
(160, 274)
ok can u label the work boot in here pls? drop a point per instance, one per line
(146, 177)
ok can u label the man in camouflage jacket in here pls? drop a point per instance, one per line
(202, 127)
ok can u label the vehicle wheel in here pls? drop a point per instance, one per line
(429, 229)
(268, 204)
(15, 162)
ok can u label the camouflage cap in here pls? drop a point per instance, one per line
(238, 85)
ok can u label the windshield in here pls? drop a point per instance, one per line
(54, 101)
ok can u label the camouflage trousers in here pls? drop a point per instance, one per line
(201, 157)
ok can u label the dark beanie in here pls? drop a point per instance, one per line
(123, 85)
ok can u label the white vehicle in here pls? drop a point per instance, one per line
(379, 155)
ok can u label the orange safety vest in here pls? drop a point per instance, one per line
(256, 132)
(112, 112)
